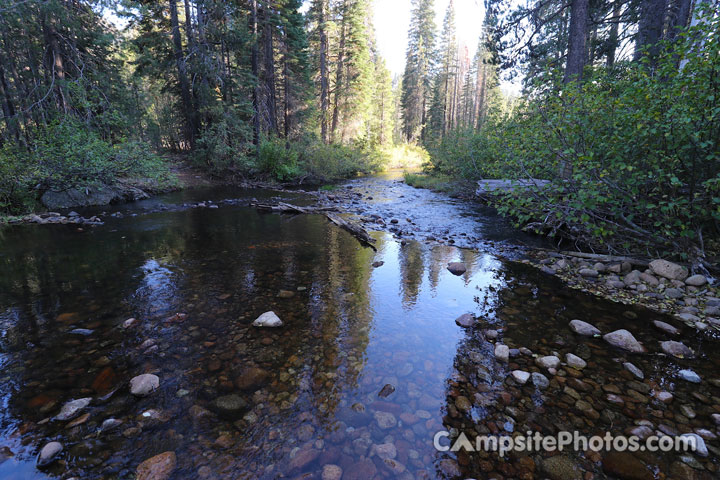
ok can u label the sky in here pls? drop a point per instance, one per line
(392, 20)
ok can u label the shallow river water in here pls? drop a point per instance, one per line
(304, 400)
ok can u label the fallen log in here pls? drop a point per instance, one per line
(355, 230)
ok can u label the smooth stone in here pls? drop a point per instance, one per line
(583, 328)
(331, 472)
(669, 270)
(689, 376)
(700, 447)
(230, 405)
(465, 320)
(688, 317)
(548, 362)
(385, 451)
(676, 349)
(624, 340)
(696, 280)
(72, 409)
(674, 293)
(588, 273)
(520, 377)
(268, 319)
(502, 353)
(575, 362)
(637, 373)
(540, 380)
(457, 268)
(561, 467)
(664, 397)
(626, 466)
(385, 420)
(666, 327)
(386, 391)
(110, 424)
(159, 467)
(49, 453)
(145, 384)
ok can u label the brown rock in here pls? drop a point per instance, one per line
(159, 467)
(626, 466)
(251, 378)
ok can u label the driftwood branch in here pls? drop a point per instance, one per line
(601, 258)
(355, 230)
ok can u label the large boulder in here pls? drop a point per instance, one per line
(669, 270)
(624, 340)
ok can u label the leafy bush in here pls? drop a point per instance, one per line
(69, 155)
(278, 160)
(640, 148)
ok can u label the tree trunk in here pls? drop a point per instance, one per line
(255, 71)
(269, 72)
(338, 78)
(614, 31)
(650, 28)
(324, 94)
(185, 95)
(577, 40)
(679, 18)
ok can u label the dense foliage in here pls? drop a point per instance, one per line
(639, 146)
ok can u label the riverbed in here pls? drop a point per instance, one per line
(368, 367)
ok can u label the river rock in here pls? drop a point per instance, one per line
(251, 378)
(110, 424)
(49, 453)
(588, 273)
(583, 328)
(626, 466)
(665, 327)
(561, 467)
(465, 320)
(696, 280)
(520, 377)
(457, 268)
(575, 362)
(229, 405)
(502, 353)
(331, 472)
(268, 319)
(303, 458)
(689, 376)
(385, 451)
(637, 373)
(145, 384)
(159, 467)
(386, 391)
(624, 340)
(540, 380)
(385, 420)
(548, 362)
(649, 279)
(361, 470)
(699, 442)
(669, 270)
(674, 293)
(72, 409)
(676, 349)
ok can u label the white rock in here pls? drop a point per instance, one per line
(697, 441)
(72, 409)
(520, 377)
(502, 352)
(575, 362)
(689, 376)
(49, 453)
(637, 373)
(583, 328)
(145, 384)
(385, 451)
(548, 362)
(268, 319)
(625, 340)
(331, 472)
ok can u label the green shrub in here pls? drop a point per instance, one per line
(640, 146)
(278, 160)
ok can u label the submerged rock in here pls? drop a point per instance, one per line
(624, 340)
(637, 373)
(548, 362)
(520, 376)
(72, 409)
(145, 384)
(49, 453)
(159, 467)
(626, 466)
(575, 362)
(386, 391)
(665, 327)
(465, 320)
(268, 319)
(502, 353)
(561, 467)
(457, 268)
(540, 380)
(583, 328)
(689, 376)
(230, 405)
(676, 349)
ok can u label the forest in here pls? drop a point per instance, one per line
(619, 107)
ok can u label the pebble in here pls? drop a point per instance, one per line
(583, 328)
(268, 319)
(699, 443)
(520, 376)
(624, 340)
(689, 376)
(676, 349)
(331, 472)
(49, 453)
(502, 353)
(575, 362)
(385, 420)
(696, 280)
(159, 467)
(145, 384)
(666, 327)
(637, 373)
(72, 409)
(540, 380)
(549, 361)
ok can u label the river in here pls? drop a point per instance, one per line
(368, 367)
